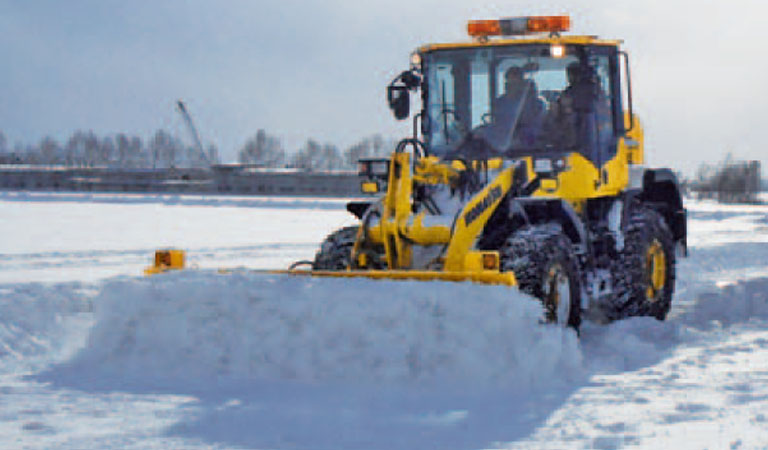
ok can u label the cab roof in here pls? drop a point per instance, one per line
(550, 40)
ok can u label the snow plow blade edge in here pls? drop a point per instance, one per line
(485, 277)
(174, 259)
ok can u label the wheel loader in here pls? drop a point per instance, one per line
(526, 168)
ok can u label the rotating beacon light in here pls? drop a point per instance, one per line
(516, 26)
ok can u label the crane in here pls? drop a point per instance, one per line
(192, 130)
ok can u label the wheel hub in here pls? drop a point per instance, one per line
(558, 295)
(656, 267)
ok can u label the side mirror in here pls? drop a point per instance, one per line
(399, 101)
(397, 93)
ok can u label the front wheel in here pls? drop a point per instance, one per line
(336, 250)
(545, 266)
(559, 289)
(648, 262)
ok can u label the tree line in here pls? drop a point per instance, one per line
(163, 150)
(87, 149)
(268, 151)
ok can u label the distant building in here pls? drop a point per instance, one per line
(236, 179)
(10, 158)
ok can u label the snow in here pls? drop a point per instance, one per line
(94, 356)
(202, 325)
(34, 319)
(614, 223)
(89, 237)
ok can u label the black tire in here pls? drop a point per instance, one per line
(545, 266)
(336, 250)
(647, 263)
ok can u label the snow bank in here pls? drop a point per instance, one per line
(639, 341)
(201, 325)
(743, 301)
(35, 322)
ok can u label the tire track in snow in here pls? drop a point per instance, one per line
(657, 382)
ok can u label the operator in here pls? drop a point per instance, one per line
(582, 112)
(517, 113)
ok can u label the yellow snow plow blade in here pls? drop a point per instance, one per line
(475, 270)
(485, 276)
(478, 266)
(168, 259)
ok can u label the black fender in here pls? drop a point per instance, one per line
(661, 191)
(358, 208)
(548, 210)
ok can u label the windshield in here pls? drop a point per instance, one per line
(520, 99)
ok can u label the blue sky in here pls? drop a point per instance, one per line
(318, 69)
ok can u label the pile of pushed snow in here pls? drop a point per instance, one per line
(200, 325)
(35, 322)
(742, 301)
(639, 341)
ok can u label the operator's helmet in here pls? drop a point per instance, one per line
(514, 74)
(516, 82)
(581, 73)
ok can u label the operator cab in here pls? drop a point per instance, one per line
(519, 97)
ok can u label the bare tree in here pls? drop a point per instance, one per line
(106, 154)
(262, 149)
(360, 150)
(165, 149)
(307, 156)
(330, 158)
(49, 150)
(82, 149)
(129, 152)
(372, 146)
(92, 149)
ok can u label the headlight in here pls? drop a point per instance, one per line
(363, 168)
(416, 60)
(557, 51)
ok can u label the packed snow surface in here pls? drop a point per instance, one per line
(87, 237)
(244, 359)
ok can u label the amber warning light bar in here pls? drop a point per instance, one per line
(519, 25)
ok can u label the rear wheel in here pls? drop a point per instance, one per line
(648, 260)
(336, 250)
(545, 266)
